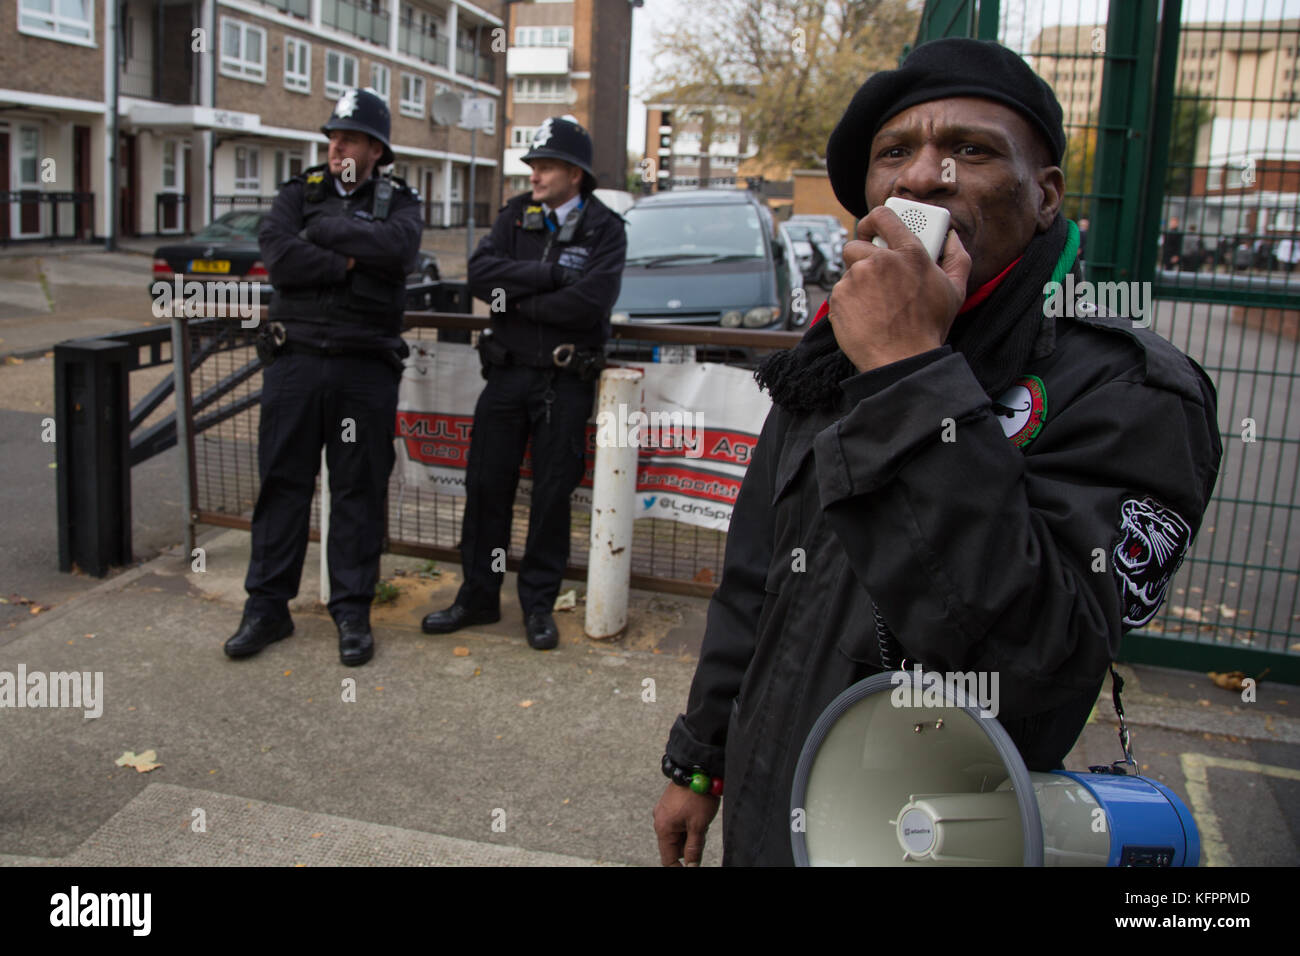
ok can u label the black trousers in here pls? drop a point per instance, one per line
(349, 405)
(514, 405)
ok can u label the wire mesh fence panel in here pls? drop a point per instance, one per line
(1221, 253)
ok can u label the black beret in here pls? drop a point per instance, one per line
(940, 69)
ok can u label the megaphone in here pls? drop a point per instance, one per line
(886, 779)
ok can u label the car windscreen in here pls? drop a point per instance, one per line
(233, 225)
(687, 232)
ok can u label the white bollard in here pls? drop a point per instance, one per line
(324, 529)
(613, 499)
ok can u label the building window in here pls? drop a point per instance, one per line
(243, 50)
(521, 136)
(169, 164)
(248, 176)
(542, 90)
(1214, 178)
(543, 36)
(288, 163)
(58, 19)
(297, 65)
(340, 73)
(412, 102)
(381, 78)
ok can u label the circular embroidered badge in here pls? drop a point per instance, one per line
(1022, 409)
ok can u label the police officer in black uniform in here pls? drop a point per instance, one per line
(550, 270)
(338, 243)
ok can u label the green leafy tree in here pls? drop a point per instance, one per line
(1189, 115)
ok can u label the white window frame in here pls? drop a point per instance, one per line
(57, 26)
(298, 80)
(334, 88)
(521, 137)
(253, 183)
(529, 90)
(409, 106)
(384, 90)
(172, 165)
(536, 36)
(238, 66)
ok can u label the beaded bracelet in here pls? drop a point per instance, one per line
(695, 778)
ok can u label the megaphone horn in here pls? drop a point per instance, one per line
(889, 776)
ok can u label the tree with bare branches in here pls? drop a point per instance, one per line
(789, 66)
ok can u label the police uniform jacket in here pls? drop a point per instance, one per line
(546, 291)
(1024, 547)
(306, 240)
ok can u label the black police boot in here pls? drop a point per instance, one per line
(356, 644)
(255, 633)
(542, 632)
(456, 617)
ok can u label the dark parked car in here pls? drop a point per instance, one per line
(227, 249)
(704, 257)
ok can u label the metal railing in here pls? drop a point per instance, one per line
(222, 454)
(31, 218)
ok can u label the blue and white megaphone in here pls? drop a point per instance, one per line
(886, 780)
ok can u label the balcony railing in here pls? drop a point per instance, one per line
(299, 8)
(431, 49)
(365, 19)
(465, 65)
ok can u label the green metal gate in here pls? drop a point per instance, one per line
(1183, 154)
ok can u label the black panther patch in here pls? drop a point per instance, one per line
(1153, 541)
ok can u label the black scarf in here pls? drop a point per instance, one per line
(996, 337)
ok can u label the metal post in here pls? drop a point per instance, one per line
(613, 497)
(111, 69)
(181, 395)
(473, 161)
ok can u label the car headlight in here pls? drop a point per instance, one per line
(732, 319)
(620, 318)
(763, 315)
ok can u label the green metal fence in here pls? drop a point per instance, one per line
(1183, 154)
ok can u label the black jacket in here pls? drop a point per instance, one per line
(545, 292)
(306, 241)
(979, 554)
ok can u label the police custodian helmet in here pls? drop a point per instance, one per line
(560, 138)
(365, 112)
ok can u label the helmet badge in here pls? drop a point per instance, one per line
(543, 133)
(347, 104)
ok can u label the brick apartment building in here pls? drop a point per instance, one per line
(690, 145)
(221, 100)
(569, 58)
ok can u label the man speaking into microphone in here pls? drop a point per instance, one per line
(944, 461)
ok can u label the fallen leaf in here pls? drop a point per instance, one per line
(317, 836)
(477, 671)
(1232, 680)
(1225, 611)
(90, 637)
(142, 763)
(704, 575)
(525, 703)
(287, 673)
(1204, 703)
(567, 601)
(460, 651)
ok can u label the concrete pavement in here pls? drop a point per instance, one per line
(459, 749)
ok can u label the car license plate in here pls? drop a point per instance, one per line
(210, 265)
(674, 354)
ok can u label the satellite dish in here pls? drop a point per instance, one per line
(895, 775)
(446, 109)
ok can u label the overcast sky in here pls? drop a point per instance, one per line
(1027, 16)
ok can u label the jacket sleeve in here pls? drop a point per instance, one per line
(492, 267)
(588, 301)
(731, 630)
(289, 259)
(983, 558)
(386, 245)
